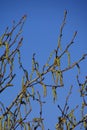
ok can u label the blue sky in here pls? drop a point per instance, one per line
(40, 34)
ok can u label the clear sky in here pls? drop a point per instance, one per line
(40, 34)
